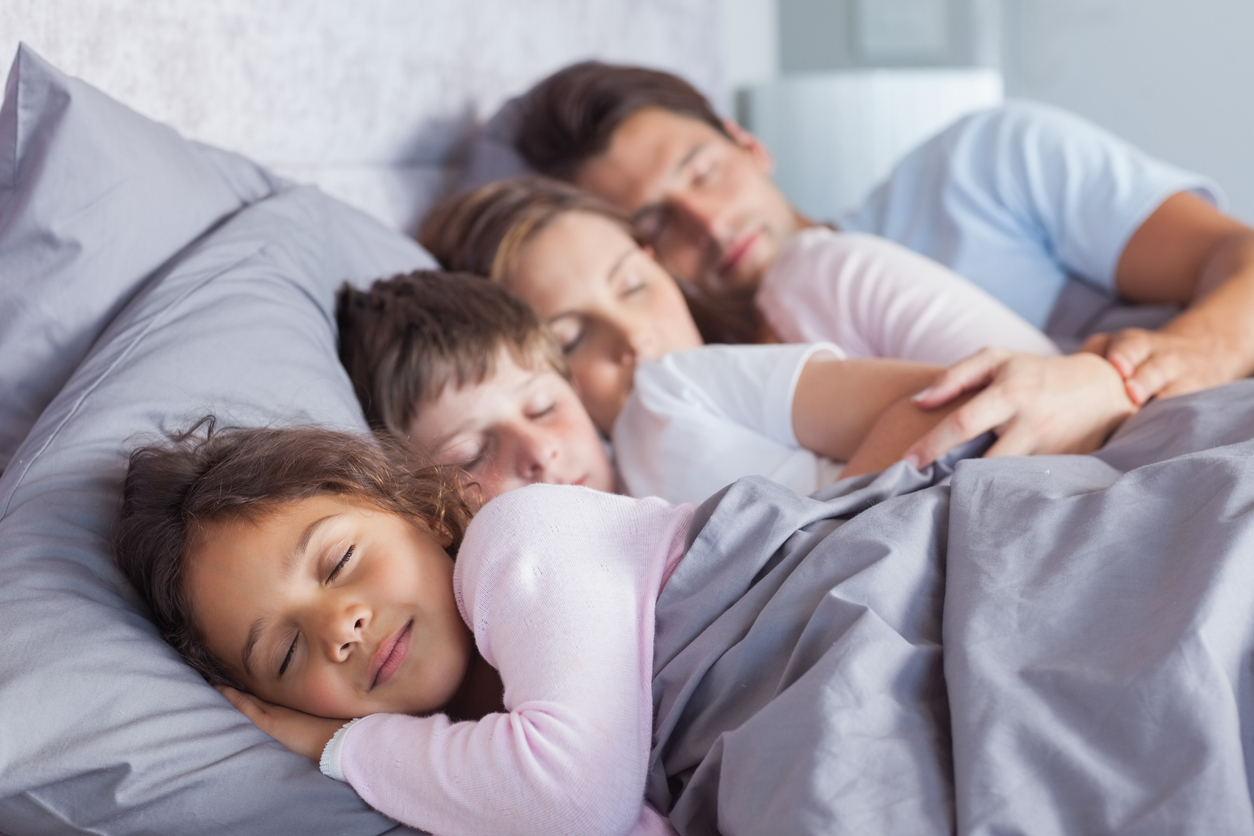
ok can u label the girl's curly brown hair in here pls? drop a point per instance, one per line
(208, 475)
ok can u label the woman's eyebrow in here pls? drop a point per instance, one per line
(618, 265)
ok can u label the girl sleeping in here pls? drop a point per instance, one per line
(310, 575)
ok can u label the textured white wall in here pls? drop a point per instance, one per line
(1172, 76)
(369, 98)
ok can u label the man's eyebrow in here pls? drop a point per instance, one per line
(655, 205)
(289, 563)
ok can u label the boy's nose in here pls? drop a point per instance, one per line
(537, 454)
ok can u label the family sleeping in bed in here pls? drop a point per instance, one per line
(309, 574)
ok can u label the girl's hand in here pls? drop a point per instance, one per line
(303, 733)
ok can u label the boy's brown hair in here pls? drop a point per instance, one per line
(570, 117)
(407, 337)
(206, 475)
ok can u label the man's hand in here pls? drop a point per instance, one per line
(1162, 363)
(1036, 405)
(303, 733)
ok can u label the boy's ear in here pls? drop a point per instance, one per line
(759, 152)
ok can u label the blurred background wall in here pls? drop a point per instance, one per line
(1172, 76)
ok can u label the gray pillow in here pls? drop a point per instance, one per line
(106, 731)
(93, 199)
(490, 153)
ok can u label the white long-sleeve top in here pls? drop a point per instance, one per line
(874, 298)
(700, 419)
(559, 586)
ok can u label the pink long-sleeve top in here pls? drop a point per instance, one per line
(559, 586)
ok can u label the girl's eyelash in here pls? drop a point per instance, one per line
(287, 660)
(343, 562)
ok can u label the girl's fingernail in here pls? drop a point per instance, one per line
(912, 460)
(920, 396)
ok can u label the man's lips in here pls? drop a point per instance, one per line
(736, 253)
(390, 655)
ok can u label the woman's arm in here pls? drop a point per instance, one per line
(838, 402)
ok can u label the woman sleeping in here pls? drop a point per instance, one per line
(681, 426)
(763, 663)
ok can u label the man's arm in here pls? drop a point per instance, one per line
(1189, 253)
(1036, 405)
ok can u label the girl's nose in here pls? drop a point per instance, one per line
(344, 630)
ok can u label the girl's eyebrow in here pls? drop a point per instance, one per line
(289, 563)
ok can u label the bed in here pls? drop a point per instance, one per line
(1091, 679)
(149, 277)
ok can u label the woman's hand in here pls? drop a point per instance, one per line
(1036, 405)
(303, 733)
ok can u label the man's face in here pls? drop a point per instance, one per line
(703, 201)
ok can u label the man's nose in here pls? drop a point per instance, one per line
(705, 212)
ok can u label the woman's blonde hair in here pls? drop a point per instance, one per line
(484, 230)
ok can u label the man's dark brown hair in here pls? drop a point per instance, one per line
(569, 117)
(407, 337)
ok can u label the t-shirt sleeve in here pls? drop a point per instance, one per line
(698, 420)
(878, 299)
(1020, 197)
(558, 584)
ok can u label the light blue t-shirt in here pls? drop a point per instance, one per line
(1019, 199)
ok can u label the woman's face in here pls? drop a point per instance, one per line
(332, 607)
(609, 303)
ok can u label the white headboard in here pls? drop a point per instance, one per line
(370, 99)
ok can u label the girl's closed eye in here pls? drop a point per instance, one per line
(287, 658)
(339, 567)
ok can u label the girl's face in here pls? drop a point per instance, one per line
(332, 607)
(609, 303)
(518, 426)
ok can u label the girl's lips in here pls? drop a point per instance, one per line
(390, 655)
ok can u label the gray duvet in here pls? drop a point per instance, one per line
(1046, 645)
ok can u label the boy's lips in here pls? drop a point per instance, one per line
(390, 655)
(736, 253)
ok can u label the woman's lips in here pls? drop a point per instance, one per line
(390, 655)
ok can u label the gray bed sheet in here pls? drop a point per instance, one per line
(1046, 645)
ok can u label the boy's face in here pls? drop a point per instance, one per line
(704, 202)
(331, 607)
(609, 303)
(518, 427)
